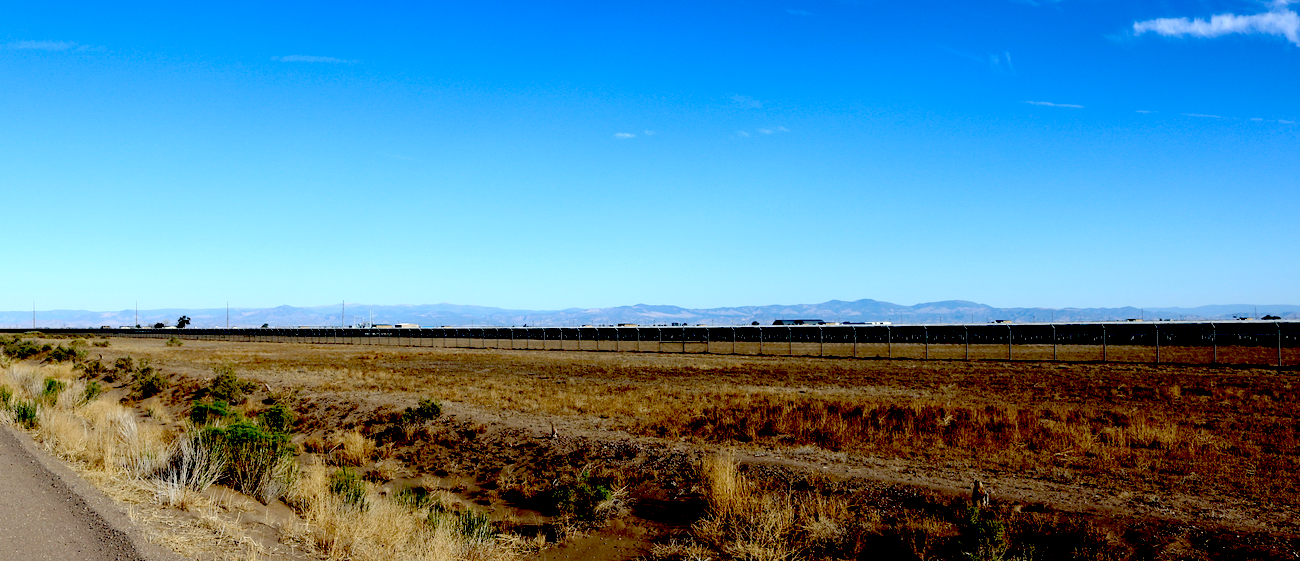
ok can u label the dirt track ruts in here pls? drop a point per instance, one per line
(47, 512)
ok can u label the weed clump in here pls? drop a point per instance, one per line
(174, 342)
(581, 498)
(25, 413)
(227, 386)
(148, 383)
(427, 410)
(53, 387)
(350, 488)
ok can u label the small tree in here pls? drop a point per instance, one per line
(182, 322)
(159, 325)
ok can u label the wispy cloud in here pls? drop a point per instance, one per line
(1202, 115)
(1286, 122)
(1144, 112)
(309, 58)
(1279, 21)
(798, 13)
(774, 130)
(1050, 104)
(52, 46)
(1000, 63)
(624, 135)
(742, 134)
(649, 133)
(747, 102)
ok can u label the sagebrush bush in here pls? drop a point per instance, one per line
(174, 342)
(204, 412)
(148, 383)
(580, 497)
(228, 387)
(277, 418)
(427, 410)
(260, 463)
(64, 354)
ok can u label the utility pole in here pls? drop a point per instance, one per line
(343, 316)
(33, 314)
(227, 314)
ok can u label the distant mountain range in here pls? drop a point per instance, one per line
(433, 315)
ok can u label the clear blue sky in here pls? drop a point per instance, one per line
(585, 154)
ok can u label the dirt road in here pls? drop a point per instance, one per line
(48, 512)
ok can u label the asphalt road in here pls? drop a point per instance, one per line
(47, 512)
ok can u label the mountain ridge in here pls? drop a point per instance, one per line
(863, 310)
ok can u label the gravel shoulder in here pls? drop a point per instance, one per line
(48, 512)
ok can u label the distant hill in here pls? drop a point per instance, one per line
(949, 311)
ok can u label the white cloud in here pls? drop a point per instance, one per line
(1201, 115)
(782, 129)
(43, 45)
(747, 102)
(773, 130)
(309, 58)
(798, 13)
(1050, 104)
(52, 46)
(742, 134)
(649, 133)
(1144, 112)
(1286, 122)
(624, 135)
(1256, 119)
(1279, 21)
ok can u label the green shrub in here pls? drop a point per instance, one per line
(25, 413)
(124, 365)
(580, 497)
(204, 412)
(472, 525)
(174, 342)
(64, 354)
(277, 418)
(103, 343)
(6, 395)
(91, 368)
(93, 389)
(983, 537)
(228, 387)
(53, 388)
(415, 498)
(347, 486)
(147, 384)
(23, 349)
(260, 463)
(427, 410)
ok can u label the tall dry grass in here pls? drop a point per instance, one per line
(379, 528)
(109, 442)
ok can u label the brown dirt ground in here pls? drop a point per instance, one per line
(500, 407)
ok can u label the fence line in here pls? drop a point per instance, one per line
(1245, 342)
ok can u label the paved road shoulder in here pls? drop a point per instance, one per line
(49, 512)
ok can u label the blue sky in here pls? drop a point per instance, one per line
(588, 154)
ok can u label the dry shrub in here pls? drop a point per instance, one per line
(742, 522)
(354, 449)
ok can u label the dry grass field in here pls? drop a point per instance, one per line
(746, 457)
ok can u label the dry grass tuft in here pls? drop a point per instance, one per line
(353, 449)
